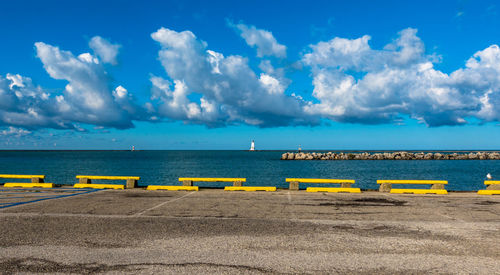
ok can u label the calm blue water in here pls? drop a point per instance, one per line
(260, 168)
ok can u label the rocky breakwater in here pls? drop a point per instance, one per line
(391, 156)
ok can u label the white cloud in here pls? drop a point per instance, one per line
(263, 40)
(120, 92)
(355, 83)
(23, 104)
(16, 81)
(271, 84)
(14, 132)
(87, 91)
(86, 98)
(176, 105)
(105, 50)
(352, 83)
(229, 91)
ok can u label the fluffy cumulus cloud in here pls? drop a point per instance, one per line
(355, 83)
(263, 40)
(105, 50)
(352, 82)
(209, 88)
(86, 99)
(23, 104)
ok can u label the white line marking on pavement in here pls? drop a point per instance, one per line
(161, 204)
(56, 196)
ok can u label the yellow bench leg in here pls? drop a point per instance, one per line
(488, 192)
(333, 189)
(172, 187)
(98, 186)
(419, 191)
(250, 188)
(28, 185)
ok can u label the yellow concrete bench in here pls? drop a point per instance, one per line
(345, 185)
(250, 188)
(189, 181)
(172, 188)
(85, 181)
(237, 184)
(98, 186)
(437, 186)
(493, 188)
(36, 181)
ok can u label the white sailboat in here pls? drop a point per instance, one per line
(252, 146)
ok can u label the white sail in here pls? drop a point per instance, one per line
(252, 146)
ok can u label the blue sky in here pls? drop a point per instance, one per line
(215, 75)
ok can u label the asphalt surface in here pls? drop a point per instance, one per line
(212, 231)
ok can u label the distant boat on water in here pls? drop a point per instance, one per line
(252, 146)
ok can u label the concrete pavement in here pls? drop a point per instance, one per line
(212, 231)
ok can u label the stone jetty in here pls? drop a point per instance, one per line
(391, 156)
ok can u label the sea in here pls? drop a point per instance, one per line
(260, 168)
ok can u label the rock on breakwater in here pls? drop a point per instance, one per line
(391, 156)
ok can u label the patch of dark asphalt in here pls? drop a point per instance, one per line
(360, 203)
(393, 231)
(487, 202)
(343, 227)
(94, 244)
(381, 201)
(37, 265)
(130, 232)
